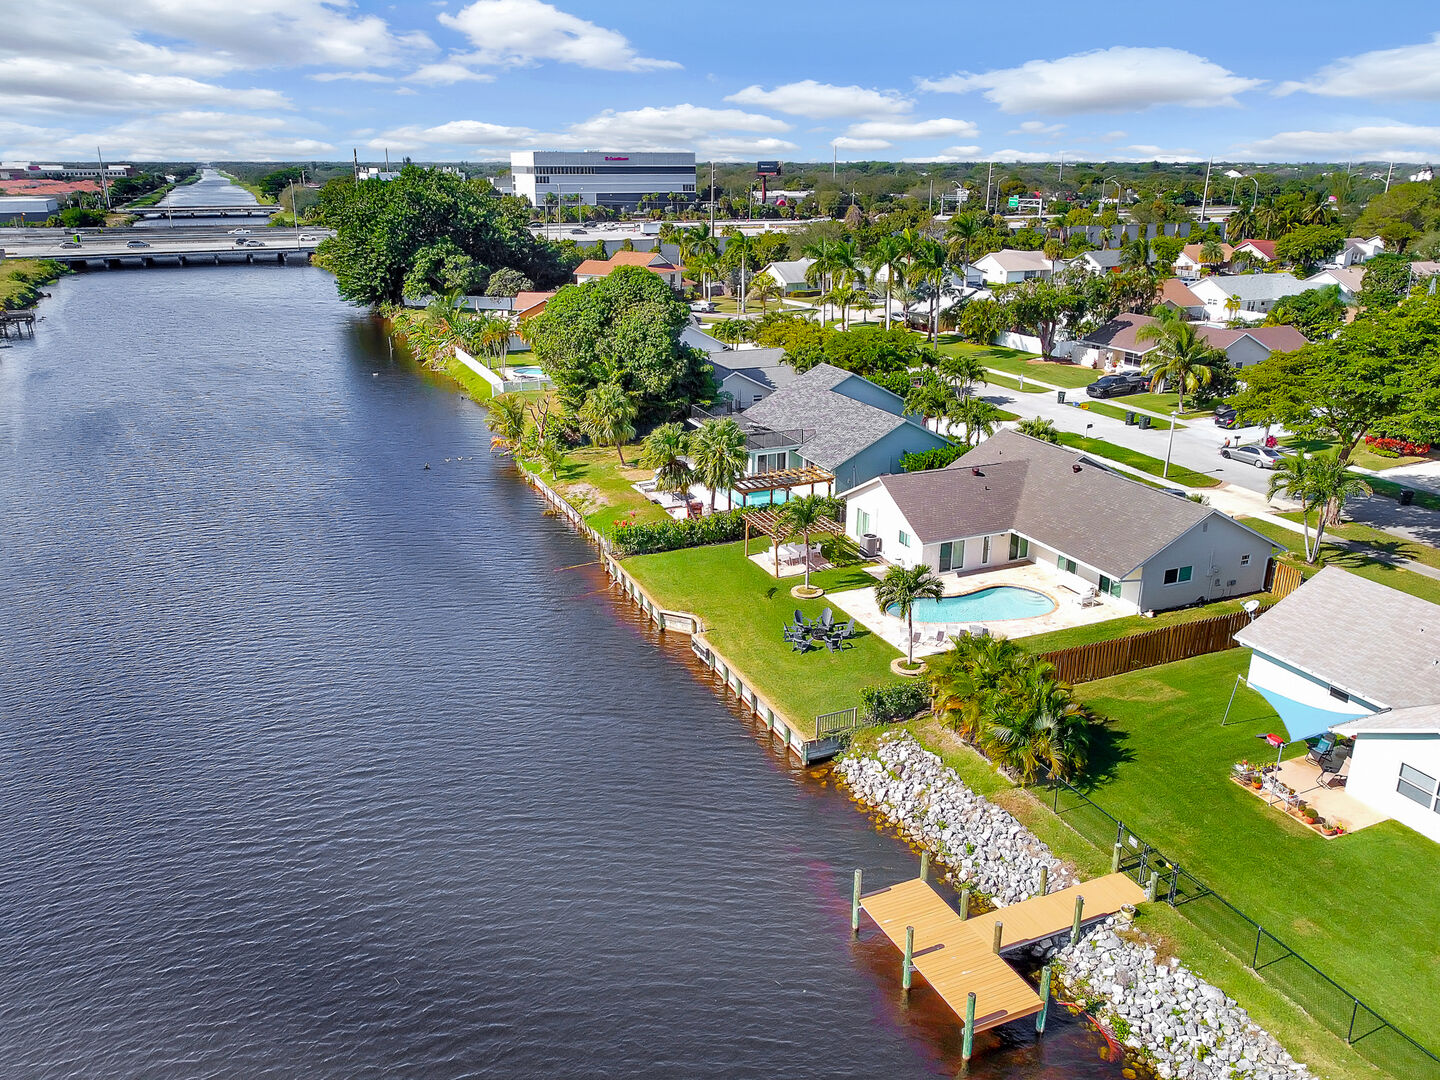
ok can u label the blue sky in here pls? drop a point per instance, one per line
(453, 80)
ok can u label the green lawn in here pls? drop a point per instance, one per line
(1144, 462)
(744, 609)
(1020, 363)
(595, 483)
(1391, 490)
(1378, 539)
(1010, 382)
(1117, 412)
(1356, 562)
(1351, 905)
(20, 280)
(1165, 403)
(1361, 456)
(1129, 625)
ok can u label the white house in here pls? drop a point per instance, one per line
(790, 275)
(1188, 266)
(594, 269)
(1258, 251)
(1104, 261)
(1008, 267)
(1345, 654)
(1014, 499)
(1350, 279)
(1257, 293)
(1357, 249)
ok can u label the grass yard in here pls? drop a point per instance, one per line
(1391, 490)
(1129, 625)
(1165, 403)
(744, 609)
(1011, 382)
(1362, 456)
(1357, 562)
(1016, 362)
(595, 483)
(1349, 905)
(475, 386)
(1179, 475)
(20, 281)
(1378, 539)
(1117, 412)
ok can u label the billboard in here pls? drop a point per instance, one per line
(767, 168)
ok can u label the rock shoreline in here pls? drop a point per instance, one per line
(1183, 1027)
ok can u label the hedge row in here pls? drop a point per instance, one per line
(646, 538)
(894, 701)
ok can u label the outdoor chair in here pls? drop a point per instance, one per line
(800, 619)
(979, 631)
(1321, 750)
(832, 643)
(939, 641)
(827, 618)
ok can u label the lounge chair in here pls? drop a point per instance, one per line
(1321, 750)
(939, 641)
(979, 631)
(800, 619)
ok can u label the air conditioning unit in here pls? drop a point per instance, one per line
(870, 544)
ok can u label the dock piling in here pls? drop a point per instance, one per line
(1044, 881)
(1044, 1000)
(855, 906)
(925, 866)
(965, 903)
(909, 958)
(969, 1045)
(999, 934)
(1079, 914)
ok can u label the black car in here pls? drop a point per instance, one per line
(1117, 386)
(1226, 417)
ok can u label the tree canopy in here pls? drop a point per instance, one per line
(426, 232)
(1316, 313)
(623, 329)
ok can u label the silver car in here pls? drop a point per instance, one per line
(1262, 457)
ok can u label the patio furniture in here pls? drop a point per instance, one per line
(827, 618)
(800, 619)
(939, 641)
(1091, 598)
(1321, 750)
(979, 631)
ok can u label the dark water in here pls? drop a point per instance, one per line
(317, 764)
(211, 189)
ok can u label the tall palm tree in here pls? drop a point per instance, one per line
(821, 270)
(931, 397)
(887, 256)
(1212, 253)
(763, 291)
(979, 417)
(1183, 358)
(1332, 485)
(740, 247)
(507, 422)
(843, 296)
(664, 450)
(799, 517)
(1294, 476)
(964, 233)
(608, 417)
(1233, 304)
(720, 455)
(901, 588)
(964, 369)
(929, 265)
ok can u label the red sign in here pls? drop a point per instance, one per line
(616, 158)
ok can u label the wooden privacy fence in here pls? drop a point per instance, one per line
(1101, 659)
(1285, 579)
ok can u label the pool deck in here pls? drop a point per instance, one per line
(1067, 613)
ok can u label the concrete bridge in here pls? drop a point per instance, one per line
(115, 252)
(250, 210)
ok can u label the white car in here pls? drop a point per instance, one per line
(309, 239)
(239, 232)
(1262, 457)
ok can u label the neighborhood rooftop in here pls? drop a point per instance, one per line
(765, 367)
(1362, 637)
(1122, 334)
(1050, 494)
(1254, 286)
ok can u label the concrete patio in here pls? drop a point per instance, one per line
(1333, 804)
(1065, 593)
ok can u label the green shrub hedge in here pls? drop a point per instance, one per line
(648, 537)
(931, 459)
(894, 701)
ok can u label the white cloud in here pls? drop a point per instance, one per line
(352, 76)
(1410, 142)
(948, 155)
(61, 86)
(518, 32)
(1148, 152)
(1118, 79)
(823, 101)
(664, 127)
(458, 133)
(1026, 156)
(194, 134)
(1037, 127)
(912, 129)
(447, 72)
(1412, 71)
(845, 142)
(741, 149)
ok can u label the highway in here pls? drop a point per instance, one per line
(100, 244)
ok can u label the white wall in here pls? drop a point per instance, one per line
(1216, 542)
(1030, 343)
(1298, 686)
(886, 522)
(1375, 771)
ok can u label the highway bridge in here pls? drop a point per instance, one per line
(249, 210)
(114, 252)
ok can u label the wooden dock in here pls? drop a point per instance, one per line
(957, 956)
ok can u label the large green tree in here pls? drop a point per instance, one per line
(1316, 313)
(1309, 244)
(426, 232)
(622, 329)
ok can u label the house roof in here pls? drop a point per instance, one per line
(1250, 286)
(1349, 278)
(1174, 291)
(1050, 494)
(1105, 259)
(765, 367)
(531, 302)
(791, 272)
(1274, 338)
(1192, 252)
(1417, 720)
(1013, 261)
(1365, 638)
(649, 260)
(1424, 268)
(1119, 333)
(1264, 247)
(841, 425)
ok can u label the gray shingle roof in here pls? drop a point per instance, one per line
(841, 426)
(1366, 638)
(1417, 720)
(1251, 286)
(1011, 481)
(764, 366)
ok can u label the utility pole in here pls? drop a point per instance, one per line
(988, 175)
(834, 159)
(1388, 175)
(932, 197)
(712, 200)
(1205, 195)
(105, 187)
(355, 166)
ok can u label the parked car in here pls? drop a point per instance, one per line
(1117, 386)
(1262, 457)
(706, 306)
(136, 243)
(1226, 417)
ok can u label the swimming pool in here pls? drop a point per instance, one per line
(986, 605)
(529, 371)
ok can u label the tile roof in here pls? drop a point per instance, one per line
(526, 301)
(1192, 252)
(1264, 247)
(650, 260)
(1052, 495)
(1366, 638)
(841, 426)
(1012, 260)
(1176, 292)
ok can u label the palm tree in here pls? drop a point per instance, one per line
(843, 296)
(865, 304)
(932, 396)
(900, 588)
(799, 517)
(720, 455)
(1212, 252)
(963, 678)
(764, 290)
(980, 417)
(1233, 304)
(821, 270)
(507, 421)
(1037, 427)
(1036, 726)
(1183, 359)
(964, 233)
(664, 450)
(887, 255)
(964, 369)
(608, 417)
(929, 265)
(742, 247)
(1331, 485)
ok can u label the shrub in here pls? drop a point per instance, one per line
(931, 459)
(893, 701)
(1387, 447)
(647, 538)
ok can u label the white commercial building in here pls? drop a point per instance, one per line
(601, 178)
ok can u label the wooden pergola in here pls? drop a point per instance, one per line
(783, 480)
(767, 523)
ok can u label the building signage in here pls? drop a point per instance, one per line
(609, 158)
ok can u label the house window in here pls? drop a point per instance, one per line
(985, 551)
(1417, 786)
(904, 538)
(1068, 565)
(952, 555)
(1245, 560)
(1109, 585)
(1177, 575)
(1338, 694)
(1019, 547)
(862, 522)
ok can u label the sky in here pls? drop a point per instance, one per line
(449, 80)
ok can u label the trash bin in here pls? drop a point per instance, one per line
(1144, 421)
(1129, 417)
(1060, 396)
(1407, 496)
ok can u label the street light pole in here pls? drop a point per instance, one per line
(1165, 472)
